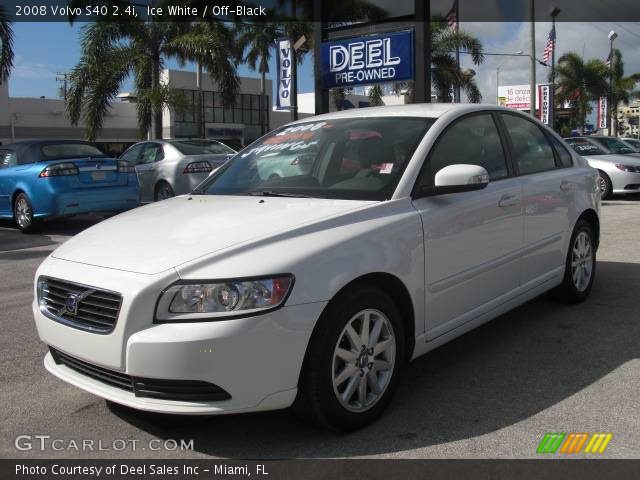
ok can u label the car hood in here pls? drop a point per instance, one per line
(166, 234)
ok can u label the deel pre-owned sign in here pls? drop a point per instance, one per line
(386, 57)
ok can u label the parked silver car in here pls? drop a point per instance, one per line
(167, 168)
(619, 173)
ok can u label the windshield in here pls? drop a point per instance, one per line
(635, 144)
(356, 158)
(584, 147)
(615, 145)
(69, 150)
(201, 147)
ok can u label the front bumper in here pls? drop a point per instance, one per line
(625, 182)
(257, 360)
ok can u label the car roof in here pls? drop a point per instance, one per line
(426, 110)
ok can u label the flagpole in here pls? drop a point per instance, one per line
(456, 96)
(555, 11)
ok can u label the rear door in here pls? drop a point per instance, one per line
(472, 239)
(548, 192)
(148, 169)
(133, 155)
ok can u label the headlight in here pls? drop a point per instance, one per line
(218, 300)
(627, 168)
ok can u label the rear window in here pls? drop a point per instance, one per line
(201, 147)
(69, 150)
(584, 147)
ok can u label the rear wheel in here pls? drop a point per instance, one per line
(604, 184)
(163, 191)
(353, 361)
(580, 268)
(23, 213)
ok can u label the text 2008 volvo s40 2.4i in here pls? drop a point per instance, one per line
(399, 229)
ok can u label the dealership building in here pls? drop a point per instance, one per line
(32, 118)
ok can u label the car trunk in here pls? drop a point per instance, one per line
(96, 173)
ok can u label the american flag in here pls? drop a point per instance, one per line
(452, 16)
(551, 44)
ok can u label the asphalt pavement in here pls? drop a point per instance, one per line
(492, 393)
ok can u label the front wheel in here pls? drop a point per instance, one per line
(580, 267)
(353, 361)
(604, 185)
(23, 214)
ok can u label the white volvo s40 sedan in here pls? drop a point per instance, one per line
(400, 229)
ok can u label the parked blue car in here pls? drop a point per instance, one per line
(42, 179)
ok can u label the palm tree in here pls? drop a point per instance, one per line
(114, 49)
(447, 74)
(580, 83)
(622, 87)
(375, 96)
(257, 40)
(6, 45)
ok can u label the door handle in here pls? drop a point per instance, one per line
(508, 200)
(567, 186)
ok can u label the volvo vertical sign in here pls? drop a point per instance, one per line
(386, 57)
(285, 73)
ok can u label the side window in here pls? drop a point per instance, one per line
(7, 158)
(563, 155)
(151, 153)
(531, 150)
(132, 154)
(474, 140)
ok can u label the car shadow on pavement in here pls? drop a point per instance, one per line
(13, 239)
(495, 376)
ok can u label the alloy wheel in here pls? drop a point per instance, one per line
(23, 213)
(582, 261)
(363, 360)
(602, 184)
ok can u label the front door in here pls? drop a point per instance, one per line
(473, 240)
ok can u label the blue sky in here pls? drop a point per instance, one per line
(43, 49)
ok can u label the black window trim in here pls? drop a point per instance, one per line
(507, 154)
(555, 145)
(517, 172)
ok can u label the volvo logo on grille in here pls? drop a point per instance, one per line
(73, 301)
(71, 304)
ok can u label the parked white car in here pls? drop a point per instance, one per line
(619, 173)
(167, 168)
(413, 225)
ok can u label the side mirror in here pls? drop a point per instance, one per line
(457, 178)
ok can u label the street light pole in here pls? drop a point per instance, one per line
(554, 12)
(532, 43)
(612, 36)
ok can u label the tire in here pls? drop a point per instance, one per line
(604, 183)
(580, 266)
(163, 191)
(23, 214)
(326, 373)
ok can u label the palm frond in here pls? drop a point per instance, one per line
(6, 45)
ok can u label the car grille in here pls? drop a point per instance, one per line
(92, 309)
(181, 390)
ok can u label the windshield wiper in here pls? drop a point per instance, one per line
(271, 193)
